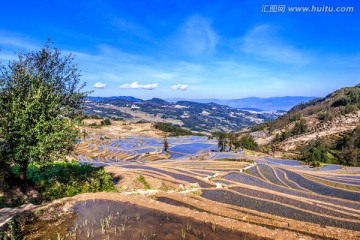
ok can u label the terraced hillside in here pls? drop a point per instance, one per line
(333, 121)
(263, 193)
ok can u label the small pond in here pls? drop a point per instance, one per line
(192, 148)
(330, 168)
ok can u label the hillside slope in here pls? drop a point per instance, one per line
(331, 120)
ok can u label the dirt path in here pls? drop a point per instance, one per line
(6, 214)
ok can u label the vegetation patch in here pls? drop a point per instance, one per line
(54, 180)
(174, 130)
(229, 141)
(64, 179)
(142, 179)
(344, 150)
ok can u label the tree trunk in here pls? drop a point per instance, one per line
(22, 176)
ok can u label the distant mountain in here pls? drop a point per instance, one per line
(158, 101)
(251, 109)
(127, 98)
(195, 116)
(265, 104)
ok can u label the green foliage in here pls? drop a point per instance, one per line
(94, 116)
(105, 122)
(348, 148)
(166, 145)
(222, 141)
(299, 128)
(352, 97)
(40, 96)
(344, 150)
(258, 127)
(233, 140)
(63, 179)
(325, 116)
(13, 230)
(247, 141)
(3, 202)
(144, 182)
(315, 151)
(315, 164)
(343, 101)
(174, 130)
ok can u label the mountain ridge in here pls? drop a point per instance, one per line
(258, 104)
(203, 117)
(284, 103)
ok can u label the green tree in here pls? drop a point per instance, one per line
(222, 141)
(247, 141)
(349, 148)
(232, 137)
(40, 96)
(166, 145)
(299, 128)
(315, 151)
(237, 145)
(105, 122)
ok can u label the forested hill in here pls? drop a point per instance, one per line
(339, 103)
(325, 130)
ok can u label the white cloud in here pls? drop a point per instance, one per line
(180, 87)
(263, 41)
(100, 85)
(136, 85)
(196, 36)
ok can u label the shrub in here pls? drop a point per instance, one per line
(315, 151)
(64, 179)
(3, 202)
(248, 142)
(315, 164)
(105, 122)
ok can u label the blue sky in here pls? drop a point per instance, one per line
(193, 49)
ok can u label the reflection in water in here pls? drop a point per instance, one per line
(101, 219)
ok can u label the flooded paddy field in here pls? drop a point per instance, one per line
(285, 197)
(103, 219)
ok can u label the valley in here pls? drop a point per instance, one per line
(164, 175)
(201, 117)
(179, 120)
(241, 194)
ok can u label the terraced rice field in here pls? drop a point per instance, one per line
(271, 193)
